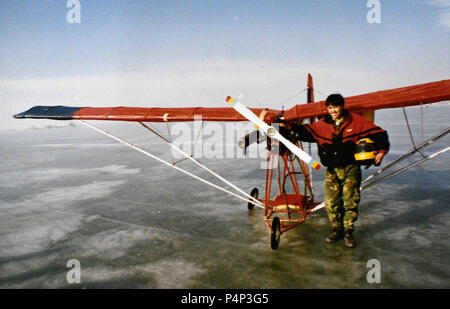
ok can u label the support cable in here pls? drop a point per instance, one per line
(410, 133)
(191, 157)
(406, 168)
(410, 153)
(169, 164)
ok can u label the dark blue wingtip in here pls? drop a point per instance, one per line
(49, 112)
(18, 116)
(22, 115)
(32, 112)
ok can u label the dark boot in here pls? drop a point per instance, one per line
(335, 236)
(349, 239)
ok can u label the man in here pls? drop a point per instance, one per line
(336, 135)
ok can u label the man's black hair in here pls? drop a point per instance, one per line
(335, 99)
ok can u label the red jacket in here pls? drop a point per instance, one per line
(337, 148)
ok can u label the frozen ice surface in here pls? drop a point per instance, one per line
(71, 193)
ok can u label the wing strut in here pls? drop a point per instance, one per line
(407, 155)
(410, 153)
(259, 204)
(190, 157)
(407, 167)
(321, 205)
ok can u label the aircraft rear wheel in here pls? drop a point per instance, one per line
(276, 233)
(253, 194)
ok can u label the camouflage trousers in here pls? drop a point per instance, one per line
(342, 195)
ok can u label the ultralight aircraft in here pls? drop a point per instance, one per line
(283, 211)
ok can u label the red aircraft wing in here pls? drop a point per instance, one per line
(392, 98)
(165, 114)
(145, 114)
(399, 97)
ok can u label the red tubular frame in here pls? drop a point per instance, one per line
(272, 206)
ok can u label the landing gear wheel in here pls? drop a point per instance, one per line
(253, 194)
(276, 233)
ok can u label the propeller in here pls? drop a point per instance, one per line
(272, 132)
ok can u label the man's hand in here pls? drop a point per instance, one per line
(378, 158)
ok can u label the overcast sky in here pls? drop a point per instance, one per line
(195, 53)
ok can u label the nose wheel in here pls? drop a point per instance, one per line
(276, 233)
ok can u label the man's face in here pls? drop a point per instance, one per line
(335, 111)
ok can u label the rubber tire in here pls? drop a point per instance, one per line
(276, 233)
(253, 194)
